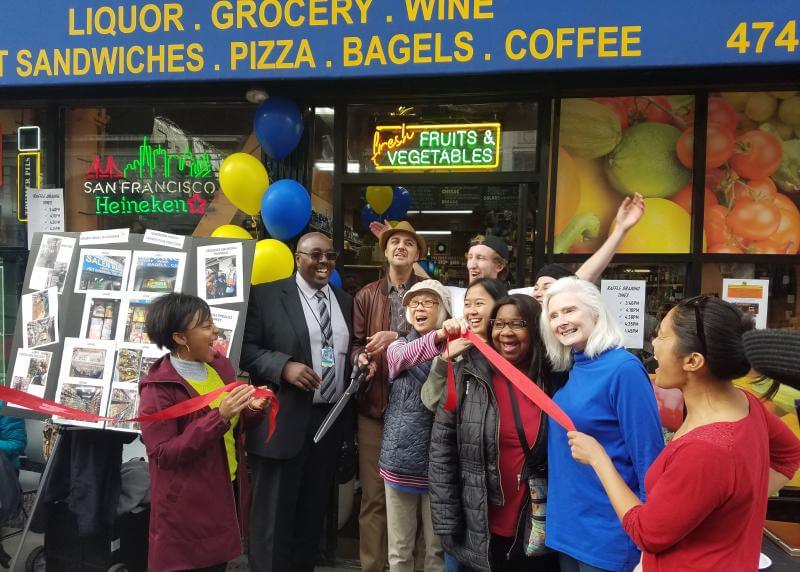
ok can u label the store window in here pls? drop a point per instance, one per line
(613, 147)
(152, 166)
(753, 173)
(475, 137)
(322, 146)
(447, 217)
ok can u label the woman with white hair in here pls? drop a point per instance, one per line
(403, 462)
(608, 395)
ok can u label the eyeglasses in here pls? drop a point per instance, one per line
(515, 325)
(331, 255)
(699, 302)
(427, 304)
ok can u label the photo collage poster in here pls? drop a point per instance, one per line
(85, 306)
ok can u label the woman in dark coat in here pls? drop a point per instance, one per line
(193, 459)
(480, 503)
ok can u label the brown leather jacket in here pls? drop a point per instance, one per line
(371, 315)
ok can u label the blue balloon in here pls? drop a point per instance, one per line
(400, 204)
(278, 125)
(368, 215)
(285, 209)
(336, 280)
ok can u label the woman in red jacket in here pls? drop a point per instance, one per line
(193, 459)
(707, 491)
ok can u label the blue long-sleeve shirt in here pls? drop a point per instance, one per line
(610, 398)
(13, 438)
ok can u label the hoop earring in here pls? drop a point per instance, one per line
(188, 351)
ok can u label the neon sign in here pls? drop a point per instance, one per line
(444, 147)
(154, 171)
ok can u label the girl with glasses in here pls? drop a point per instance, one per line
(607, 394)
(479, 463)
(707, 491)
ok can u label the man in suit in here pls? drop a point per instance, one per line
(297, 338)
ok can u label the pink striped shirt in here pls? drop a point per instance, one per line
(402, 355)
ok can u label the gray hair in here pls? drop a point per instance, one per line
(606, 334)
(440, 317)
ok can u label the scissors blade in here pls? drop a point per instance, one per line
(358, 377)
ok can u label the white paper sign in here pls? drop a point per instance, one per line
(749, 295)
(52, 262)
(111, 236)
(163, 239)
(625, 300)
(45, 211)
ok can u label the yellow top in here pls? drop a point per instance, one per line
(214, 381)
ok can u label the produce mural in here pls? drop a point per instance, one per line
(613, 147)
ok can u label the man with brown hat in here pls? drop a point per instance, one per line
(378, 320)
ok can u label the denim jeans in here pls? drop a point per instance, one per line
(451, 564)
(569, 564)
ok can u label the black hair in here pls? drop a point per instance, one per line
(723, 325)
(171, 314)
(494, 287)
(531, 312)
(554, 271)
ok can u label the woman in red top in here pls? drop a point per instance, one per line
(707, 491)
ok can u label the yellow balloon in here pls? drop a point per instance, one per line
(380, 198)
(272, 261)
(243, 180)
(230, 231)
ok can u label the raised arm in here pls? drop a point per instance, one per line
(629, 213)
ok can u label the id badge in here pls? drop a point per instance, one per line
(327, 357)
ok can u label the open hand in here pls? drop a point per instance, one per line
(379, 341)
(630, 212)
(377, 227)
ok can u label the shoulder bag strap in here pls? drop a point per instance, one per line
(535, 456)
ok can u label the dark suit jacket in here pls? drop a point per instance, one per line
(276, 332)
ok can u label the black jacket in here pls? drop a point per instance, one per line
(276, 332)
(464, 474)
(407, 422)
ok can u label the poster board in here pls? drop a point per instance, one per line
(80, 337)
(625, 300)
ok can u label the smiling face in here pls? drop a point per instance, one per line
(401, 250)
(541, 286)
(482, 263)
(313, 266)
(570, 320)
(199, 337)
(514, 345)
(478, 305)
(423, 319)
(670, 372)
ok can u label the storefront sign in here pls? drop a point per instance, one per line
(45, 211)
(750, 296)
(625, 300)
(446, 147)
(156, 181)
(82, 41)
(28, 177)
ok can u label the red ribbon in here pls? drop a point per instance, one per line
(522, 382)
(172, 412)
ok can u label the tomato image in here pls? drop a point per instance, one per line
(725, 248)
(684, 198)
(755, 220)
(757, 190)
(721, 180)
(715, 225)
(654, 108)
(788, 233)
(618, 106)
(720, 145)
(722, 114)
(757, 156)
(766, 247)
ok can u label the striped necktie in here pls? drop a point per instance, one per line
(328, 387)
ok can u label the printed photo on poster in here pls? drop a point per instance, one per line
(30, 371)
(102, 270)
(123, 404)
(40, 318)
(52, 262)
(225, 321)
(133, 361)
(84, 381)
(134, 313)
(101, 315)
(219, 273)
(156, 271)
(749, 295)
